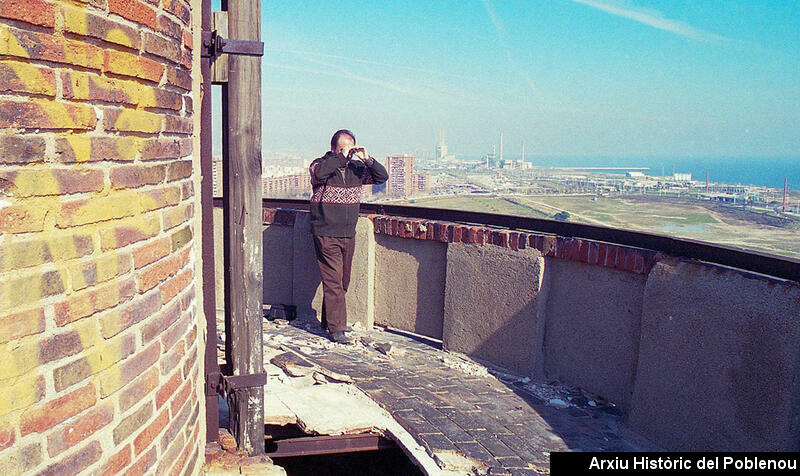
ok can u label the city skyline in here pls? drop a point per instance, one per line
(568, 77)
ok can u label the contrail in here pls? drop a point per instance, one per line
(654, 19)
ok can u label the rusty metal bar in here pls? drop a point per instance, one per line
(763, 263)
(323, 445)
(207, 227)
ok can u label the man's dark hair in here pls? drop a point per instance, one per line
(339, 133)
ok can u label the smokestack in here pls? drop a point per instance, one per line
(706, 182)
(523, 151)
(501, 146)
(785, 186)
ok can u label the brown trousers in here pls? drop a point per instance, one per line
(334, 257)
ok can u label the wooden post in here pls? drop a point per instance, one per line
(242, 196)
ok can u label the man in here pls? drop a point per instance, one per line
(336, 180)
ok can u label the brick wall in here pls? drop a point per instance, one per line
(101, 357)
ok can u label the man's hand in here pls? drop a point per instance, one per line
(361, 152)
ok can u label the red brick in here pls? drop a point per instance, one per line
(149, 434)
(59, 346)
(78, 430)
(126, 234)
(46, 46)
(21, 324)
(144, 463)
(186, 59)
(133, 10)
(151, 252)
(601, 254)
(38, 114)
(187, 298)
(177, 216)
(39, 419)
(132, 422)
(175, 285)
(619, 259)
(170, 28)
(160, 323)
(513, 240)
(117, 463)
(137, 176)
(77, 462)
(79, 21)
(161, 47)
(127, 64)
(35, 12)
(98, 359)
(26, 78)
(159, 149)
(168, 389)
(7, 436)
(159, 272)
(178, 170)
(170, 361)
(178, 8)
(594, 249)
(181, 397)
(117, 377)
(187, 144)
(99, 148)
(187, 39)
(160, 198)
(138, 390)
(549, 245)
(116, 321)
(94, 300)
(638, 266)
(178, 125)
(179, 78)
(21, 149)
(611, 256)
(187, 190)
(176, 331)
(43, 182)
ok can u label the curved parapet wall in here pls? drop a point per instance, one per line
(98, 303)
(698, 355)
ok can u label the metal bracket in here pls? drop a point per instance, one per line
(215, 45)
(216, 383)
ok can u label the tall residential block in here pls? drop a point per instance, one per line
(401, 175)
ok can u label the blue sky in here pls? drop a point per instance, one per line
(579, 78)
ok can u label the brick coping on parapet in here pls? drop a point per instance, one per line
(597, 253)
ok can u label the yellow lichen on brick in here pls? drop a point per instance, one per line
(132, 120)
(81, 147)
(18, 359)
(20, 393)
(75, 20)
(81, 212)
(9, 44)
(124, 232)
(32, 77)
(18, 292)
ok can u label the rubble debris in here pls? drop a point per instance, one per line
(328, 373)
(293, 364)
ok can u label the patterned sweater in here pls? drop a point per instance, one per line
(336, 183)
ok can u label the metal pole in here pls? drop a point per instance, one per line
(207, 221)
(243, 272)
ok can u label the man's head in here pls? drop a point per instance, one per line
(342, 141)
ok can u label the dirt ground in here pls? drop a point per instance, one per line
(704, 221)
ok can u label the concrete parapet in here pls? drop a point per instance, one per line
(592, 327)
(493, 304)
(306, 282)
(718, 361)
(411, 283)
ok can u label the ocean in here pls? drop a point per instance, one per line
(764, 172)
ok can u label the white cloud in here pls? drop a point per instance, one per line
(653, 19)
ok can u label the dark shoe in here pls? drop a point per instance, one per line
(341, 337)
